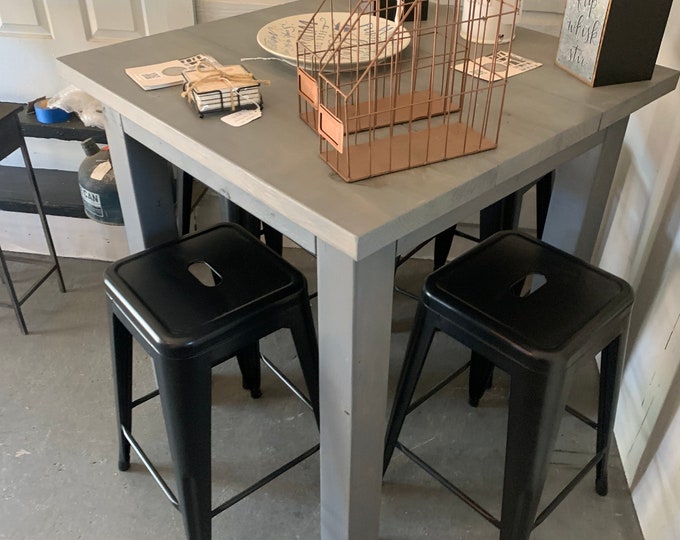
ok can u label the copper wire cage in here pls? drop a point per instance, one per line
(388, 90)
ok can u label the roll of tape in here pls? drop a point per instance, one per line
(44, 115)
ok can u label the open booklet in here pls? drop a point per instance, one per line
(489, 66)
(153, 76)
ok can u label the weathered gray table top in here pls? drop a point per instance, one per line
(275, 159)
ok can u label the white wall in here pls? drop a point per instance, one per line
(210, 10)
(642, 244)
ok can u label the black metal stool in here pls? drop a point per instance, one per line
(11, 139)
(192, 303)
(534, 312)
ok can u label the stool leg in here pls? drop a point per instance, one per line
(7, 280)
(442, 246)
(249, 363)
(41, 213)
(249, 222)
(185, 398)
(121, 353)
(544, 189)
(273, 239)
(480, 378)
(185, 188)
(499, 216)
(233, 212)
(416, 352)
(611, 369)
(536, 405)
(307, 348)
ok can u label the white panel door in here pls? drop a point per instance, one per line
(35, 32)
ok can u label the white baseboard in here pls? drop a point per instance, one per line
(73, 237)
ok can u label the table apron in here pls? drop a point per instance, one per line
(228, 189)
(556, 161)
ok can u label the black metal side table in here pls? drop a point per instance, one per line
(11, 138)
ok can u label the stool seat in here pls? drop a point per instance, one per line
(178, 311)
(491, 289)
(193, 303)
(534, 312)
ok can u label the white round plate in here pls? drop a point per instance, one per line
(279, 37)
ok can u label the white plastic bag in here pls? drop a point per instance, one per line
(71, 99)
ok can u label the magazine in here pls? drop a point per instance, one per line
(153, 76)
(487, 66)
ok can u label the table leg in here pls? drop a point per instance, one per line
(580, 194)
(144, 184)
(355, 312)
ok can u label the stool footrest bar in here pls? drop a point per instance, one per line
(448, 485)
(582, 417)
(232, 501)
(467, 236)
(260, 483)
(286, 381)
(406, 293)
(144, 398)
(571, 485)
(147, 463)
(403, 258)
(436, 388)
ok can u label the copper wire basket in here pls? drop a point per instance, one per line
(388, 90)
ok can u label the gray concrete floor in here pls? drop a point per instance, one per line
(58, 457)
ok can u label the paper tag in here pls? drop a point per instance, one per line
(100, 170)
(242, 117)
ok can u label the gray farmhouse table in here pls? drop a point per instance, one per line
(272, 169)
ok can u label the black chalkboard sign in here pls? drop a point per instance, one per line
(612, 41)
